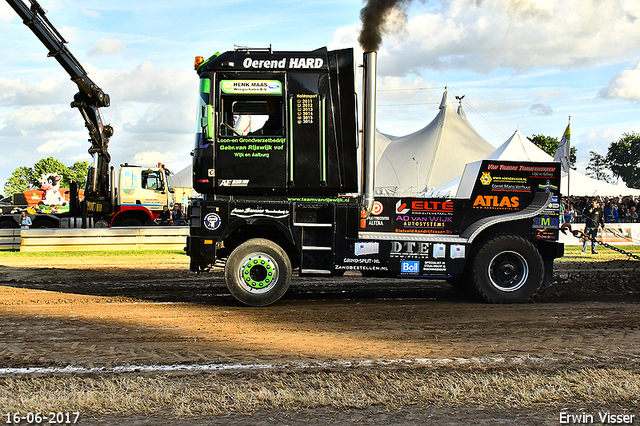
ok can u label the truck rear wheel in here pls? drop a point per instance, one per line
(507, 269)
(9, 224)
(258, 272)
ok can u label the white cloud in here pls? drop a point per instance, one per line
(516, 34)
(49, 91)
(55, 146)
(153, 157)
(540, 109)
(623, 85)
(6, 13)
(91, 13)
(107, 46)
(146, 83)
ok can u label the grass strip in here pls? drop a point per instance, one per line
(224, 393)
(127, 253)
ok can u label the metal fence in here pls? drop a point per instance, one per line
(100, 239)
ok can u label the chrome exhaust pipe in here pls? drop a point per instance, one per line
(369, 131)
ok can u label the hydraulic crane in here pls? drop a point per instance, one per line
(89, 99)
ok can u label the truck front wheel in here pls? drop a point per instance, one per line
(258, 272)
(507, 269)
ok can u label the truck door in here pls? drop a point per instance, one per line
(250, 147)
(153, 189)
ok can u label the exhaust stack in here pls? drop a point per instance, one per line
(369, 131)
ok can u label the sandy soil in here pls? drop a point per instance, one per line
(114, 313)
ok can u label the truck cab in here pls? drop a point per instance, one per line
(288, 198)
(141, 194)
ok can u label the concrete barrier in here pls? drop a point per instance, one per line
(101, 239)
(10, 239)
(614, 234)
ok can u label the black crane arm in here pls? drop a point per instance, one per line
(89, 99)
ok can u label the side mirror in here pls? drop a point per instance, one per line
(206, 121)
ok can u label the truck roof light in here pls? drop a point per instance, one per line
(198, 61)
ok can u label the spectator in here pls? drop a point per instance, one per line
(25, 220)
(178, 216)
(594, 217)
(569, 213)
(610, 213)
(164, 219)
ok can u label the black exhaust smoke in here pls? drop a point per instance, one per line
(374, 17)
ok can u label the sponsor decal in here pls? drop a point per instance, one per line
(296, 63)
(365, 248)
(546, 222)
(485, 179)
(361, 261)
(495, 202)
(263, 87)
(233, 182)
(432, 206)
(424, 206)
(435, 266)
(457, 251)
(401, 208)
(521, 168)
(545, 234)
(548, 187)
(508, 187)
(410, 267)
(439, 251)
(259, 212)
(424, 221)
(409, 248)
(212, 221)
(378, 220)
(129, 182)
(377, 208)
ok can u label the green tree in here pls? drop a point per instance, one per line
(623, 158)
(20, 180)
(79, 172)
(549, 144)
(25, 178)
(598, 168)
(51, 165)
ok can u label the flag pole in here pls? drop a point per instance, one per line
(569, 161)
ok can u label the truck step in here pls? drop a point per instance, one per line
(312, 248)
(313, 224)
(316, 271)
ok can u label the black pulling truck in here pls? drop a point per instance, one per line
(286, 188)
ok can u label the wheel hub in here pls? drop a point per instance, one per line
(258, 271)
(508, 271)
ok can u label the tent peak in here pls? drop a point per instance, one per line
(445, 103)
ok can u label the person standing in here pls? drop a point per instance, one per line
(25, 220)
(594, 217)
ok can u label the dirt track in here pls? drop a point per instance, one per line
(99, 313)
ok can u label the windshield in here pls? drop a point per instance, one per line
(203, 122)
(169, 183)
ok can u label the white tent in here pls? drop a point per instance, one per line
(183, 179)
(431, 156)
(519, 148)
(578, 184)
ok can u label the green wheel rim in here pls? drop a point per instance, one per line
(258, 272)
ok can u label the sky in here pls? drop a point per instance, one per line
(521, 64)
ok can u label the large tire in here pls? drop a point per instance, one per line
(258, 272)
(507, 269)
(131, 222)
(9, 224)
